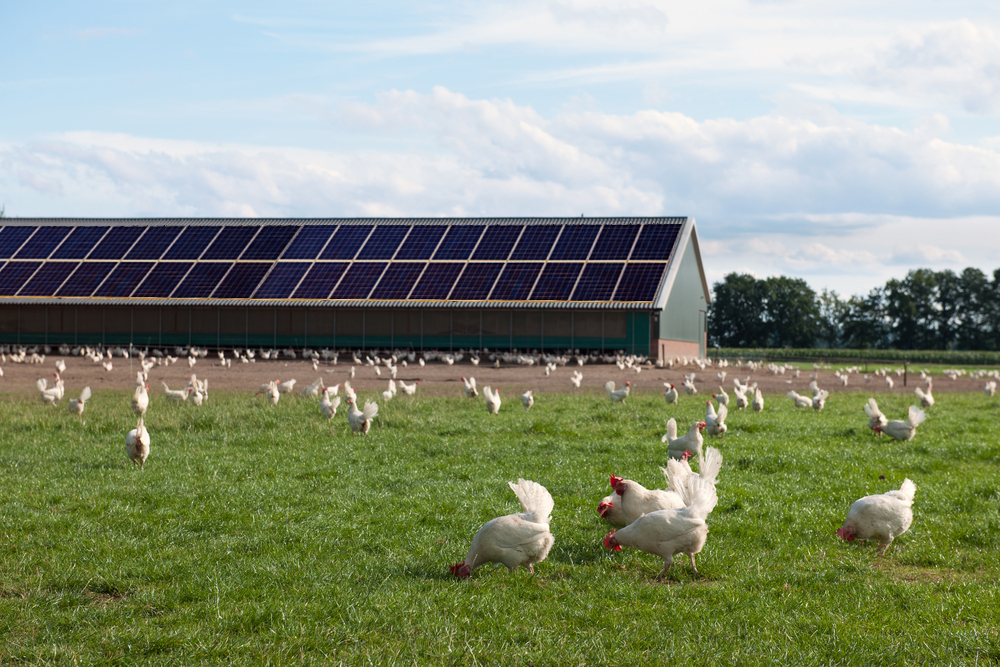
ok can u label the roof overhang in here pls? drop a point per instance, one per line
(689, 232)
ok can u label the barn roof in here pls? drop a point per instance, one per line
(376, 262)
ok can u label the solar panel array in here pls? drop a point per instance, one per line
(397, 262)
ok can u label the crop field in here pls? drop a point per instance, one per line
(260, 535)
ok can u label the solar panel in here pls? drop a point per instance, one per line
(86, 278)
(282, 280)
(397, 281)
(515, 282)
(536, 242)
(153, 243)
(346, 242)
(79, 243)
(48, 278)
(459, 242)
(476, 281)
(497, 241)
(43, 242)
(358, 281)
(11, 238)
(656, 242)
(162, 280)
(421, 242)
(269, 243)
(124, 279)
(192, 242)
(116, 243)
(241, 281)
(615, 242)
(14, 275)
(436, 281)
(597, 282)
(575, 242)
(640, 281)
(200, 282)
(383, 242)
(230, 243)
(320, 280)
(556, 282)
(309, 242)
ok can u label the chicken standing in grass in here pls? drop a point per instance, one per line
(687, 445)
(273, 394)
(799, 400)
(514, 540)
(991, 388)
(137, 444)
(633, 500)
(328, 406)
(689, 387)
(140, 398)
(882, 517)
(179, 395)
(470, 387)
(715, 422)
(758, 401)
(670, 394)
(361, 420)
(78, 404)
(527, 400)
(669, 532)
(618, 395)
(409, 389)
(722, 397)
(904, 430)
(492, 399)
(876, 420)
(926, 397)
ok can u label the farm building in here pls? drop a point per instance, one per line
(430, 283)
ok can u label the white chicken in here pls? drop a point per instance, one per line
(179, 395)
(926, 397)
(904, 430)
(882, 517)
(687, 445)
(514, 540)
(741, 398)
(60, 366)
(313, 390)
(715, 422)
(722, 397)
(328, 406)
(409, 389)
(888, 382)
(758, 401)
(108, 366)
(576, 378)
(633, 500)
(137, 444)
(492, 399)
(800, 401)
(349, 392)
(273, 394)
(470, 387)
(991, 388)
(618, 395)
(78, 404)
(527, 400)
(876, 420)
(140, 399)
(361, 420)
(669, 532)
(287, 387)
(53, 394)
(819, 400)
(680, 477)
(670, 394)
(689, 387)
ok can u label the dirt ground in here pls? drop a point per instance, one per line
(436, 378)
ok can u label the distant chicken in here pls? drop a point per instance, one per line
(179, 395)
(470, 387)
(670, 394)
(349, 392)
(273, 394)
(527, 400)
(361, 420)
(904, 430)
(409, 389)
(926, 397)
(888, 382)
(800, 401)
(313, 390)
(876, 420)
(576, 379)
(882, 517)
(741, 399)
(140, 399)
(758, 401)
(60, 366)
(328, 406)
(287, 387)
(722, 397)
(492, 399)
(137, 444)
(78, 404)
(687, 445)
(669, 532)
(514, 540)
(715, 422)
(108, 366)
(618, 395)
(689, 387)
(991, 388)
(53, 394)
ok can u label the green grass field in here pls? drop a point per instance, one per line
(264, 535)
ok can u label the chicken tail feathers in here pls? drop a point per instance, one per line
(85, 394)
(711, 464)
(703, 498)
(671, 434)
(535, 499)
(916, 416)
(371, 410)
(610, 386)
(907, 490)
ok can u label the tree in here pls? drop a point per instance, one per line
(792, 312)
(865, 322)
(831, 314)
(736, 318)
(973, 299)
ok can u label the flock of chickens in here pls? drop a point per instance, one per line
(665, 522)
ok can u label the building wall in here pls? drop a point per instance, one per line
(683, 318)
(250, 326)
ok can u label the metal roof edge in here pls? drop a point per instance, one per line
(667, 283)
(606, 220)
(326, 303)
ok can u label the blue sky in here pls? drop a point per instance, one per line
(841, 142)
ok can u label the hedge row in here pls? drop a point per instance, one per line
(956, 357)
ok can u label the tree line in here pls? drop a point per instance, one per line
(926, 310)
